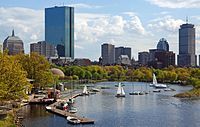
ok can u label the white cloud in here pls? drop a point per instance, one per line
(91, 30)
(27, 23)
(176, 3)
(82, 5)
(165, 24)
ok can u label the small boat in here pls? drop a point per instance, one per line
(72, 110)
(85, 91)
(135, 93)
(48, 108)
(73, 120)
(156, 91)
(120, 91)
(169, 89)
(71, 101)
(156, 84)
(95, 90)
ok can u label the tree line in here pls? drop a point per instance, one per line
(184, 76)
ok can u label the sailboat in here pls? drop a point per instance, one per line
(85, 91)
(120, 91)
(154, 81)
(156, 84)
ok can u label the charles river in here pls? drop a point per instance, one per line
(151, 110)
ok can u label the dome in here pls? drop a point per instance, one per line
(58, 72)
(163, 44)
(13, 38)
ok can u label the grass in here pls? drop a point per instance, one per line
(189, 94)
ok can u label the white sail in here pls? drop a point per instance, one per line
(85, 90)
(119, 89)
(122, 91)
(154, 79)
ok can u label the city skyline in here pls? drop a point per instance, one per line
(96, 22)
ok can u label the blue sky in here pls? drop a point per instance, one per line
(138, 24)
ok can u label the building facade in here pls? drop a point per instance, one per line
(124, 60)
(59, 29)
(187, 49)
(143, 58)
(122, 51)
(43, 48)
(13, 44)
(166, 58)
(108, 54)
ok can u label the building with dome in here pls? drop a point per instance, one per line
(13, 44)
(163, 45)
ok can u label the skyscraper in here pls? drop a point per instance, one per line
(59, 29)
(187, 55)
(13, 44)
(122, 51)
(108, 54)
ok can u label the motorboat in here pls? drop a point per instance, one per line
(73, 120)
(48, 108)
(72, 110)
(135, 93)
(156, 90)
(120, 91)
(95, 90)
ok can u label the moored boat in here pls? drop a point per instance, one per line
(73, 120)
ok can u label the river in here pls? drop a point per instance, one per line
(151, 110)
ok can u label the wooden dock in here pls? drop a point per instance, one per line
(65, 114)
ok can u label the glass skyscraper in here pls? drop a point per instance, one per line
(59, 29)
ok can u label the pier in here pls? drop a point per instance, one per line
(65, 114)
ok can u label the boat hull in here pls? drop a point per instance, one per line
(119, 95)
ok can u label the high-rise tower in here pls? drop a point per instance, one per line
(187, 49)
(59, 29)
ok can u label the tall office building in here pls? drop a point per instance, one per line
(13, 44)
(108, 54)
(122, 51)
(187, 55)
(43, 48)
(59, 29)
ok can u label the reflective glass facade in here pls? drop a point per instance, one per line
(59, 29)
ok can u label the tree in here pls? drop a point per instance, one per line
(13, 81)
(37, 68)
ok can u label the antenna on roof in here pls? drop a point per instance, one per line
(186, 19)
(13, 32)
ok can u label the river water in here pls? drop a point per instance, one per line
(151, 110)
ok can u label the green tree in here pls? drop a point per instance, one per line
(37, 68)
(13, 81)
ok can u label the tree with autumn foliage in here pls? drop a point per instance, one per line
(13, 81)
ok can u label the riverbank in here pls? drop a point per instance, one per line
(194, 93)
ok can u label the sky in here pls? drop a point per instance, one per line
(138, 24)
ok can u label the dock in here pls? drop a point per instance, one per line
(65, 114)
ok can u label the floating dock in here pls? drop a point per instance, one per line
(65, 114)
